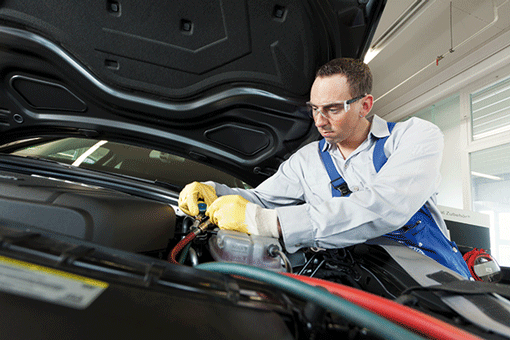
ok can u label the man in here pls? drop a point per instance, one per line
(395, 198)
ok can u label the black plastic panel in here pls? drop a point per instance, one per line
(245, 140)
(196, 36)
(46, 95)
(103, 216)
(181, 48)
(4, 117)
(124, 312)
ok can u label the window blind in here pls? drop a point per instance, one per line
(490, 110)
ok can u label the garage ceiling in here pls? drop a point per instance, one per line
(405, 64)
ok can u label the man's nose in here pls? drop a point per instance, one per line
(320, 120)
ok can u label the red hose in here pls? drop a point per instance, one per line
(179, 246)
(410, 318)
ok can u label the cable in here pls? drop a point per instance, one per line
(328, 301)
(182, 243)
(302, 271)
(410, 318)
(202, 227)
(378, 281)
(273, 250)
(288, 266)
(318, 267)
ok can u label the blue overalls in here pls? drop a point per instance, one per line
(421, 233)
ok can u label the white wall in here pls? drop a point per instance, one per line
(446, 115)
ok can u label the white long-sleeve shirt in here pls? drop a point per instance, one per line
(309, 216)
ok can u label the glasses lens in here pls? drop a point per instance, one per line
(310, 110)
(333, 110)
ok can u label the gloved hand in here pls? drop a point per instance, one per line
(233, 212)
(192, 193)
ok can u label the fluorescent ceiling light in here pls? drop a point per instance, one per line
(371, 53)
(400, 24)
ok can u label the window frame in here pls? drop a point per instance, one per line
(469, 145)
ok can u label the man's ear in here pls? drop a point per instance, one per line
(366, 105)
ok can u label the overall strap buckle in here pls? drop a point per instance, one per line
(341, 186)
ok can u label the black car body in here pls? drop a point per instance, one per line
(167, 86)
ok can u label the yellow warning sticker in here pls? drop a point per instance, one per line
(48, 284)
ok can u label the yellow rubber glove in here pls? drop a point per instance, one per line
(233, 212)
(192, 193)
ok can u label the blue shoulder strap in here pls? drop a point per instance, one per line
(379, 157)
(339, 187)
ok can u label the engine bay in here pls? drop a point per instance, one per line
(134, 226)
(127, 222)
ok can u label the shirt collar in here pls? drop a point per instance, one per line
(327, 146)
(378, 129)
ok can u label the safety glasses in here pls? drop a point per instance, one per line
(333, 110)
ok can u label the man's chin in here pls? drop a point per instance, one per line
(329, 136)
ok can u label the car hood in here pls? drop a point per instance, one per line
(221, 82)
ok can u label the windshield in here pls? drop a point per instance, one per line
(124, 159)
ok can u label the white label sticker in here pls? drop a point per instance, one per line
(48, 284)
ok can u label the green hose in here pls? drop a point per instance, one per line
(333, 303)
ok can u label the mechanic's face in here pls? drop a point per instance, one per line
(339, 127)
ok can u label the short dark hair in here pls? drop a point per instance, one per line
(357, 72)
